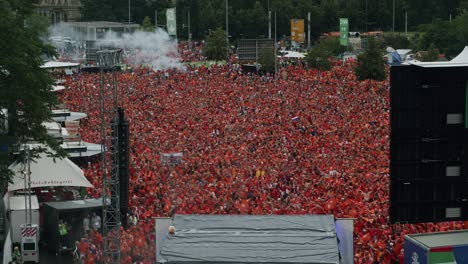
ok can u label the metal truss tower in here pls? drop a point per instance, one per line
(111, 223)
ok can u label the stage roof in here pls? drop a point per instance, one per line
(236, 239)
(77, 204)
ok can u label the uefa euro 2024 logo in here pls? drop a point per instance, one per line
(414, 258)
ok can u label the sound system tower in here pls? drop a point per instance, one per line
(123, 156)
(428, 143)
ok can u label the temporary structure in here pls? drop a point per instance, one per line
(462, 57)
(237, 239)
(47, 172)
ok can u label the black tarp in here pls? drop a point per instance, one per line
(239, 239)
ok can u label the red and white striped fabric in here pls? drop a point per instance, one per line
(28, 231)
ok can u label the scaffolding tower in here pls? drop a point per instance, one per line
(107, 62)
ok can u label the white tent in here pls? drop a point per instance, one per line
(46, 173)
(462, 57)
(81, 148)
(57, 88)
(59, 64)
(293, 54)
(461, 60)
(62, 115)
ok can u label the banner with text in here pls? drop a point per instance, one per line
(171, 22)
(344, 29)
(297, 30)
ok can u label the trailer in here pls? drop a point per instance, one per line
(17, 216)
(432, 248)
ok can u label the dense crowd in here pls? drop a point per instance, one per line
(308, 142)
(191, 51)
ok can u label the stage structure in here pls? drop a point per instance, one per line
(249, 50)
(107, 61)
(236, 239)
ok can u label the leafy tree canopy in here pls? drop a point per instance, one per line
(250, 18)
(370, 63)
(216, 46)
(25, 88)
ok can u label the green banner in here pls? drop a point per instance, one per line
(171, 21)
(344, 28)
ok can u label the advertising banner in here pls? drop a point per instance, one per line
(344, 29)
(297, 30)
(171, 22)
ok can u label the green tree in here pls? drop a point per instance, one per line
(147, 26)
(267, 59)
(25, 88)
(319, 58)
(216, 46)
(370, 63)
(396, 41)
(431, 55)
(332, 45)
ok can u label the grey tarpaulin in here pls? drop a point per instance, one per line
(236, 239)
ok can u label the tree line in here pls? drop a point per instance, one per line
(249, 19)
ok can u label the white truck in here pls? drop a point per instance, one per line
(17, 214)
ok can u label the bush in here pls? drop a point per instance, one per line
(318, 58)
(396, 41)
(371, 64)
(216, 46)
(431, 55)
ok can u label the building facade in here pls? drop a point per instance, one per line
(60, 10)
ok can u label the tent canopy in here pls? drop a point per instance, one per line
(293, 54)
(461, 60)
(47, 173)
(237, 239)
(59, 64)
(462, 57)
(65, 115)
(76, 204)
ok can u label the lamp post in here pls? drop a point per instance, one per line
(128, 11)
(366, 17)
(393, 28)
(269, 20)
(227, 25)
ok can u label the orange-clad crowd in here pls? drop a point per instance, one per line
(308, 142)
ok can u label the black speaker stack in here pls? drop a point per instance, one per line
(123, 158)
(429, 143)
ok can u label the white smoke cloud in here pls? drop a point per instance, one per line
(156, 49)
(152, 49)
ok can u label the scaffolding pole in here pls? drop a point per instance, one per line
(108, 60)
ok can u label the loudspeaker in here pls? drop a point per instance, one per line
(123, 164)
(123, 156)
(428, 144)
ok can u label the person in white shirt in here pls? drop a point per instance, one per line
(96, 222)
(86, 223)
